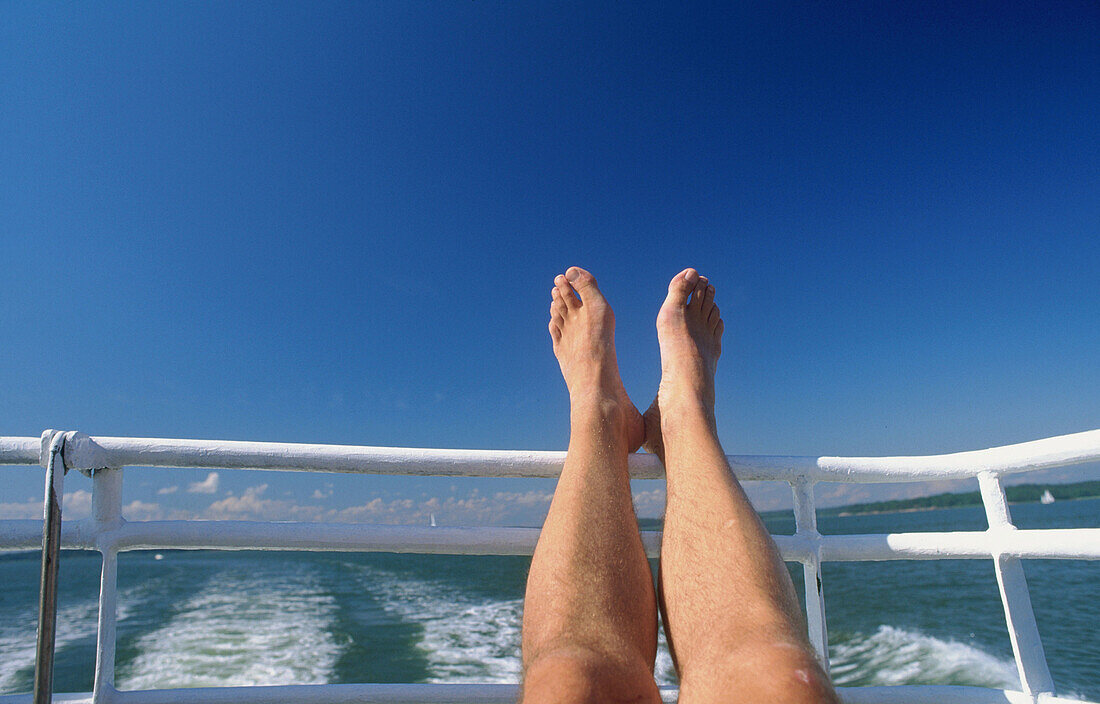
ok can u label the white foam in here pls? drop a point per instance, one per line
(664, 671)
(465, 638)
(18, 633)
(894, 656)
(472, 640)
(264, 629)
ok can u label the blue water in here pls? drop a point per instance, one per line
(236, 618)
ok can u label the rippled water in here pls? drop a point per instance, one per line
(236, 618)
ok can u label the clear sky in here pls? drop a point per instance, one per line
(339, 223)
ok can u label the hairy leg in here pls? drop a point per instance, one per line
(731, 613)
(590, 614)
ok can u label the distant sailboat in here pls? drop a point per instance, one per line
(433, 516)
(1047, 497)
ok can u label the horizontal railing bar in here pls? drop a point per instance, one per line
(20, 450)
(324, 536)
(61, 698)
(943, 694)
(466, 693)
(1052, 543)
(26, 534)
(329, 694)
(84, 453)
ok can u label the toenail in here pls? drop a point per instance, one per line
(572, 274)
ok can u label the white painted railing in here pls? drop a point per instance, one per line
(107, 532)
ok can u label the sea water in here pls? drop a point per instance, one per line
(210, 618)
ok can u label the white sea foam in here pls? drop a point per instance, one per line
(75, 621)
(17, 636)
(465, 638)
(893, 656)
(470, 640)
(277, 630)
(241, 632)
(664, 671)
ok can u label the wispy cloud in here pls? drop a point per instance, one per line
(206, 486)
(143, 511)
(165, 490)
(74, 505)
(500, 508)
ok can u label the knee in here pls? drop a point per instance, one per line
(774, 672)
(795, 677)
(805, 682)
(582, 675)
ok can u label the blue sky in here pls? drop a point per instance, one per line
(340, 222)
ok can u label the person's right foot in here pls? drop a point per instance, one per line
(689, 330)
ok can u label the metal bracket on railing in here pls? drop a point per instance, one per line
(805, 521)
(51, 548)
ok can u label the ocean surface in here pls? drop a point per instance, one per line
(239, 618)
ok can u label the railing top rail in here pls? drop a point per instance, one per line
(83, 452)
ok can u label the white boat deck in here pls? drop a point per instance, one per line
(107, 532)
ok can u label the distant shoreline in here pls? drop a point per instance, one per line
(916, 509)
(1017, 494)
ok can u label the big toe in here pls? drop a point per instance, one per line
(681, 287)
(583, 282)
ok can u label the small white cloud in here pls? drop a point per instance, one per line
(206, 486)
(649, 504)
(77, 503)
(167, 490)
(27, 509)
(318, 494)
(142, 511)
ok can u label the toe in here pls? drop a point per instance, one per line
(713, 317)
(583, 282)
(555, 331)
(719, 328)
(708, 300)
(568, 295)
(681, 286)
(697, 294)
(557, 303)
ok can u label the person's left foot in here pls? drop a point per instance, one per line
(582, 327)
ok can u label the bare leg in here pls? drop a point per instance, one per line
(731, 613)
(590, 614)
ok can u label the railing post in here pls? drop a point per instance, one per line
(1027, 647)
(51, 550)
(805, 520)
(106, 516)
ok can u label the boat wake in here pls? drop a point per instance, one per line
(272, 628)
(894, 656)
(274, 625)
(466, 640)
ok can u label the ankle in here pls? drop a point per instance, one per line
(686, 405)
(597, 406)
(686, 416)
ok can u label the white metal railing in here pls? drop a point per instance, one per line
(107, 532)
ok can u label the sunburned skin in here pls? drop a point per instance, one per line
(731, 614)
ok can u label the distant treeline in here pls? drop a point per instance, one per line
(1018, 494)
